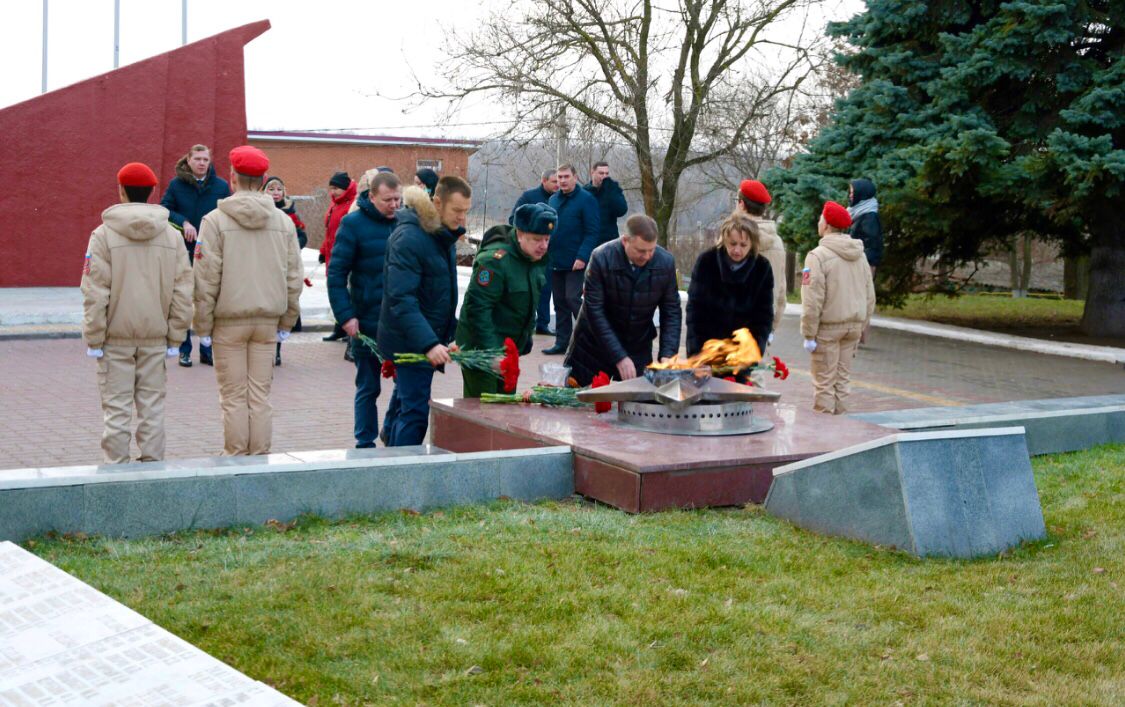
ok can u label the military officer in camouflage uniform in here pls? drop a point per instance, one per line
(501, 301)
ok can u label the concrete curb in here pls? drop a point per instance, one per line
(1105, 354)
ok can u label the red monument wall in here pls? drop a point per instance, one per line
(62, 150)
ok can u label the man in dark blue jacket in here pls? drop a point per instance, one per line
(540, 195)
(192, 194)
(419, 310)
(355, 290)
(575, 237)
(611, 200)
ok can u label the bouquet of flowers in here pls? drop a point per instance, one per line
(775, 366)
(551, 396)
(504, 363)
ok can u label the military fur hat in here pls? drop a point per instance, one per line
(539, 219)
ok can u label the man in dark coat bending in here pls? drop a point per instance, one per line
(627, 281)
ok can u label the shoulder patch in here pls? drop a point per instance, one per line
(484, 277)
(806, 276)
(198, 255)
(86, 264)
(499, 254)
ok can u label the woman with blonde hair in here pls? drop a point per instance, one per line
(731, 287)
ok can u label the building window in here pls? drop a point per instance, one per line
(435, 165)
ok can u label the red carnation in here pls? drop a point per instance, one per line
(780, 370)
(510, 366)
(388, 369)
(732, 379)
(600, 380)
(308, 282)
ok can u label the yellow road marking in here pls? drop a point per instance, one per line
(891, 390)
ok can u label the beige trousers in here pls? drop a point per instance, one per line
(244, 369)
(832, 368)
(128, 375)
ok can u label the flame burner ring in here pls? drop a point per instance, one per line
(706, 419)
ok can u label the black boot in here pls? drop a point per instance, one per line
(277, 355)
(348, 355)
(336, 335)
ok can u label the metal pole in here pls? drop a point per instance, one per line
(484, 214)
(183, 23)
(116, 33)
(44, 86)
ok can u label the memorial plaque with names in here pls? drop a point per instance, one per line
(64, 643)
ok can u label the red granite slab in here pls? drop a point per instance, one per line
(798, 433)
(643, 471)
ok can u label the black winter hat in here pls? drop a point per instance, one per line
(862, 189)
(341, 180)
(429, 178)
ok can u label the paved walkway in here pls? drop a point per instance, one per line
(50, 412)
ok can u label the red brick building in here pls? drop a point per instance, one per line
(305, 161)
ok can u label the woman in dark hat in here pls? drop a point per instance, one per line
(866, 226)
(427, 179)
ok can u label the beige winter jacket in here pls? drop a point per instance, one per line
(247, 265)
(836, 286)
(136, 282)
(772, 248)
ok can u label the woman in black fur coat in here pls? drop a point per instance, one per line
(731, 288)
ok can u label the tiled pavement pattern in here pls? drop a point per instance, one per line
(50, 414)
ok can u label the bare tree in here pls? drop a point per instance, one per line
(654, 76)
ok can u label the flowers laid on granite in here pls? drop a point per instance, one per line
(510, 366)
(602, 379)
(547, 395)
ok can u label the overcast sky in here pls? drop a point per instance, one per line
(323, 65)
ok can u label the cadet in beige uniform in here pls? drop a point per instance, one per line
(248, 278)
(753, 197)
(136, 298)
(837, 300)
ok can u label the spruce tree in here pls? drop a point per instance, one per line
(979, 121)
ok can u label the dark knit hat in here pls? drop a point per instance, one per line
(539, 219)
(429, 178)
(341, 180)
(836, 216)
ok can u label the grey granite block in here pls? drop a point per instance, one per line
(952, 494)
(139, 508)
(546, 475)
(28, 512)
(286, 495)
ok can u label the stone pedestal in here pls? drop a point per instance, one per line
(644, 471)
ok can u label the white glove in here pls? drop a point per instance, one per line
(94, 353)
(172, 351)
(769, 340)
(205, 341)
(810, 345)
(282, 335)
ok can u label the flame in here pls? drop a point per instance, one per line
(736, 353)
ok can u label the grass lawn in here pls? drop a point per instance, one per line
(578, 604)
(990, 311)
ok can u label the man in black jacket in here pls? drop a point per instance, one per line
(355, 289)
(627, 281)
(418, 313)
(611, 200)
(541, 195)
(192, 194)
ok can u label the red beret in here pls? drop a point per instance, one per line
(754, 190)
(836, 216)
(136, 174)
(249, 161)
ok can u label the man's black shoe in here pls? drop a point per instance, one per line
(335, 336)
(348, 355)
(554, 350)
(544, 331)
(185, 360)
(205, 358)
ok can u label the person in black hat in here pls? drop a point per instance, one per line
(427, 179)
(342, 190)
(503, 294)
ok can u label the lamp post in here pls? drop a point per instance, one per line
(43, 88)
